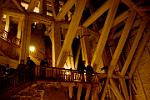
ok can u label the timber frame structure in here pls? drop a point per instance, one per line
(112, 33)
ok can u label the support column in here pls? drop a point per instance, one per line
(88, 90)
(7, 23)
(85, 46)
(25, 39)
(56, 42)
(95, 94)
(70, 91)
(19, 28)
(79, 91)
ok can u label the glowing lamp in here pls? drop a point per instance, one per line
(32, 48)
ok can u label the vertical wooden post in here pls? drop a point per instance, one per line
(25, 39)
(79, 91)
(56, 42)
(88, 90)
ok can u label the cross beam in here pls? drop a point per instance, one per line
(134, 46)
(105, 32)
(71, 33)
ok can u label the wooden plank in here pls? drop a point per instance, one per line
(98, 13)
(139, 53)
(121, 43)
(105, 32)
(71, 33)
(66, 7)
(133, 48)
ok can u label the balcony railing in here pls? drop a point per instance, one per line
(8, 82)
(62, 74)
(14, 40)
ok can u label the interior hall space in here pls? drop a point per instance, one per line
(74, 49)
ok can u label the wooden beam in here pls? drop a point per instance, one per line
(71, 33)
(105, 32)
(103, 38)
(56, 41)
(41, 18)
(115, 90)
(121, 43)
(32, 5)
(119, 47)
(86, 49)
(77, 57)
(97, 14)
(124, 88)
(66, 7)
(134, 46)
(53, 9)
(18, 5)
(13, 13)
(121, 18)
(133, 6)
(26, 37)
(139, 53)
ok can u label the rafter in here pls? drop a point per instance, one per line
(71, 32)
(105, 32)
(98, 13)
(139, 53)
(65, 9)
(134, 46)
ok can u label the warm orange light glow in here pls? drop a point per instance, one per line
(32, 48)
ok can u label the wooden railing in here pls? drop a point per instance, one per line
(62, 74)
(8, 82)
(13, 41)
